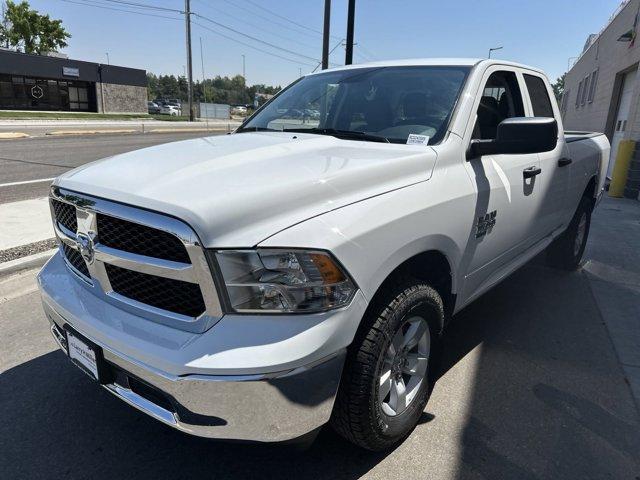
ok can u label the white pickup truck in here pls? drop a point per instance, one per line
(301, 270)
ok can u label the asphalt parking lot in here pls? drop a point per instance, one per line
(25, 163)
(535, 384)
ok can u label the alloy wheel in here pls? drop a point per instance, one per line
(405, 366)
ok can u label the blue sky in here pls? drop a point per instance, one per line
(543, 33)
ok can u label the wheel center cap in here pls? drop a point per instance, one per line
(399, 363)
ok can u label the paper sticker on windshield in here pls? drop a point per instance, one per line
(414, 139)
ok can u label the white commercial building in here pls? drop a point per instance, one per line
(602, 88)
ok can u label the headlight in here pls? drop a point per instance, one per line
(283, 280)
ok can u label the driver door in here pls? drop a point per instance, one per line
(507, 197)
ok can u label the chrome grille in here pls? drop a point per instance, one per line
(141, 261)
(172, 295)
(140, 239)
(65, 215)
(75, 259)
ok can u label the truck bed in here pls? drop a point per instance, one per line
(575, 136)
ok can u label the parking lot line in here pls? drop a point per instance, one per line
(25, 182)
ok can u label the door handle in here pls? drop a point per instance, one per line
(563, 162)
(531, 172)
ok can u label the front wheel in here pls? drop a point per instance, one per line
(386, 383)
(566, 251)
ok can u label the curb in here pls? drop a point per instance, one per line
(11, 135)
(25, 263)
(187, 130)
(87, 132)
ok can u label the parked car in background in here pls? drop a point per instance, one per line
(173, 110)
(297, 272)
(239, 110)
(153, 107)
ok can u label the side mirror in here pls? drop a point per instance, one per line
(518, 135)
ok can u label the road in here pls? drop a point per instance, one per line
(531, 388)
(25, 160)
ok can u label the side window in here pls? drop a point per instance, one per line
(539, 96)
(501, 98)
(579, 94)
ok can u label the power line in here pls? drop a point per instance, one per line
(252, 46)
(283, 17)
(365, 50)
(253, 25)
(83, 4)
(238, 32)
(143, 5)
(271, 20)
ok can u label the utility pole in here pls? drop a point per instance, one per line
(244, 73)
(348, 60)
(325, 34)
(187, 18)
(108, 62)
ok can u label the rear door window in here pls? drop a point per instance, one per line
(540, 101)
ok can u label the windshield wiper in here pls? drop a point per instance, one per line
(346, 134)
(256, 129)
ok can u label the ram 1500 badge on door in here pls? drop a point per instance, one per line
(300, 271)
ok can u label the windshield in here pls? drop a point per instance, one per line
(388, 103)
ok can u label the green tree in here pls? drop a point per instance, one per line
(558, 87)
(213, 90)
(27, 30)
(152, 86)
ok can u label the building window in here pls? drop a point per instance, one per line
(579, 94)
(585, 90)
(565, 101)
(592, 85)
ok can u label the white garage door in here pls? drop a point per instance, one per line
(621, 119)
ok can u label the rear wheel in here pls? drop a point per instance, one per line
(567, 250)
(386, 384)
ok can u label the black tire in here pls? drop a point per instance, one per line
(358, 413)
(565, 252)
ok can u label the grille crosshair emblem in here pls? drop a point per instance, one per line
(85, 244)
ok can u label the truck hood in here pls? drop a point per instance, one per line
(237, 190)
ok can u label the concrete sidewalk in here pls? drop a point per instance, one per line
(613, 271)
(10, 129)
(25, 222)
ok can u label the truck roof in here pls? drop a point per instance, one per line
(468, 62)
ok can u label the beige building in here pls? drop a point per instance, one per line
(602, 88)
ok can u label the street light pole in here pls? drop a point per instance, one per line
(108, 62)
(493, 50)
(244, 74)
(187, 18)
(351, 14)
(325, 34)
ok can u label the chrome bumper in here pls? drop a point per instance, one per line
(265, 407)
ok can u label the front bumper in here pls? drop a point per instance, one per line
(263, 407)
(160, 370)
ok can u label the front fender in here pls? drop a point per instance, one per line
(373, 237)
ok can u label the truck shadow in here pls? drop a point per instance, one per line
(56, 423)
(546, 401)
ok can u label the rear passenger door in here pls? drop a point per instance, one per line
(507, 203)
(553, 181)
